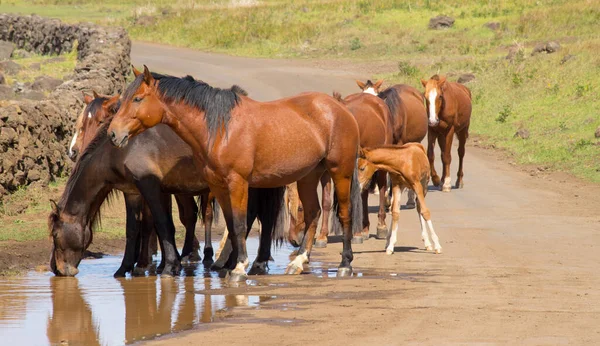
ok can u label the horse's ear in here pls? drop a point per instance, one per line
(136, 72)
(54, 207)
(361, 153)
(87, 98)
(442, 81)
(424, 82)
(111, 105)
(361, 85)
(148, 76)
(378, 84)
(95, 94)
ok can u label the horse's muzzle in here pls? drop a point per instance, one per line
(434, 124)
(119, 141)
(73, 154)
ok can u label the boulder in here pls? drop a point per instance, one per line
(492, 25)
(597, 133)
(10, 67)
(548, 48)
(6, 92)
(441, 22)
(45, 83)
(522, 133)
(20, 53)
(33, 95)
(465, 78)
(6, 50)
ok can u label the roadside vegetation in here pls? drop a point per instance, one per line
(35, 65)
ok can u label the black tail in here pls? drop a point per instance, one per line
(356, 208)
(392, 100)
(271, 210)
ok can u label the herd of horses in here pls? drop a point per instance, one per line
(175, 136)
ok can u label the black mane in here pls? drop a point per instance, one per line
(216, 103)
(392, 100)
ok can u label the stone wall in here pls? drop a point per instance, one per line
(34, 135)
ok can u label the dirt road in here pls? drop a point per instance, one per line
(520, 261)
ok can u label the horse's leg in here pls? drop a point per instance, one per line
(259, 208)
(321, 241)
(382, 183)
(393, 233)
(159, 204)
(188, 215)
(234, 204)
(207, 201)
(133, 207)
(462, 140)
(425, 218)
(307, 190)
(147, 234)
(294, 206)
(431, 137)
(446, 148)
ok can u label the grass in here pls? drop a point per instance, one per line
(43, 65)
(556, 102)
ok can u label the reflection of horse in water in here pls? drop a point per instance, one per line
(71, 319)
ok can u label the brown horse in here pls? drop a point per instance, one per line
(154, 163)
(449, 106)
(406, 105)
(101, 109)
(408, 168)
(239, 143)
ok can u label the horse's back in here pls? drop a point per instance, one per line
(413, 113)
(462, 99)
(373, 119)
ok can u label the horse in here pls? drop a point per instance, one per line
(408, 111)
(155, 162)
(408, 167)
(241, 143)
(449, 106)
(100, 109)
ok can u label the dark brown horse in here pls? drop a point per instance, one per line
(154, 163)
(101, 109)
(239, 143)
(410, 118)
(449, 106)
(375, 126)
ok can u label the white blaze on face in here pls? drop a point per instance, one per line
(432, 112)
(90, 115)
(370, 90)
(73, 141)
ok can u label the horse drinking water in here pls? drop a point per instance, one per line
(239, 143)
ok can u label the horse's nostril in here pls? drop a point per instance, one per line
(113, 135)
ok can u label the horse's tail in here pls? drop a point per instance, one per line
(338, 96)
(356, 208)
(392, 100)
(272, 211)
(204, 201)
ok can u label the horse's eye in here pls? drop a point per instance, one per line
(361, 168)
(138, 99)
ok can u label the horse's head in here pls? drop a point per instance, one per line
(98, 109)
(366, 169)
(70, 238)
(140, 109)
(434, 97)
(369, 87)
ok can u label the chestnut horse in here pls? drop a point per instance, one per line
(101, 109)
(406, 105)
(449, 106)
(408, 168)
(157, 161)
(239, 143)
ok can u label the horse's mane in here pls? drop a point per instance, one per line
(87, 157)
(216, 103)
(338, 97)
(392, 100)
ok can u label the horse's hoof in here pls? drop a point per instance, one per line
(237, 277)
(365, 236)
(120, 273)
(320, 244)
(410, 206)
(459, 185)
(344, 272)
(389, 252)
(381, 233)
(436, 181)
(258, 268)
(446, 188)
(139, 271)
(438, 251)
(217, 266)
(357, 239)
(293, 269)
(429, 248)
(194, 256)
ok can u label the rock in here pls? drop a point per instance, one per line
(492, 25)
(19, 87)
(6, 50)
(2, 79)
(45, 83)
(54, 60)
(7, 135)
(522, 133)
(20, 53)
(145, 20)
(441, 22)
(567, 58)
(597, 133)
(33, 95)
(548, 48)
(513, 51)
(6, 92)
(465, 78)
(10, 67)
(34, 175)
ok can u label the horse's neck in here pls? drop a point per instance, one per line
(189, 124)
(383, 158)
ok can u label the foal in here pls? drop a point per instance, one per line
(408, 168)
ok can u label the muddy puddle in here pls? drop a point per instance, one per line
(96, 309)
